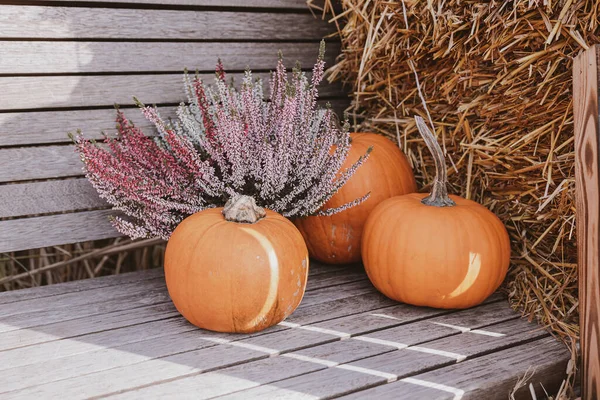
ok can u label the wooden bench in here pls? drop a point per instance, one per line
(62, 66)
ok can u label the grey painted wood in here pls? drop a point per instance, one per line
(20, 57)
(281, 4)
(489, 377)
(30, 233)
(18, 200)
(105, 23)
(32, 92)
(79, 286)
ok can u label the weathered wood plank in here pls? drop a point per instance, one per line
(322, 384)
(35, 312)
(129, 299)
(411, 360)
(586, 78)
(426, 355)
(18, 200)
(99, 295)
(119, 335)
(31, 233)
(22, 57)
(489, 377)
(253, 374)
(79, 286)
(105, 23)
(294, 340)
(399, 314)
(224, 381)
(83, 326)
(281, 4)
(117, 379)
(39, 163)
(32, 92)
(317, 301)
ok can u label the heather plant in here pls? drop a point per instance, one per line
(286, 152)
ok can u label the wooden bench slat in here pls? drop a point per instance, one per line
(490, 377)
(105, 23)
(24, 199)
(316, 306)
(21, 57)
(31, 92)
(38, 312)
(118, 336)
(316, 383)
(281, 4)
(29, 233)
(52, 126)
(283, 340)
(321, 384)
(78, 286)
(224, 381)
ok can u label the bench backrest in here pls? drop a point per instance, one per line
(62, 67)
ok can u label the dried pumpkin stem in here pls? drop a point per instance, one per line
(243, 209)
(439, 193)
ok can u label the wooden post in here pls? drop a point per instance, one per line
(587, 177)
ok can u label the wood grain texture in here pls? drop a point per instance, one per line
(490, 377)
(32, 92)
(23, 199)
(280, 4)
(21, 57)
(79, 286)
(31, 233)
(105, 23)
(130, 342)
(586, 78)
(48, 127)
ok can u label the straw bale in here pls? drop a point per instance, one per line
(496, 77)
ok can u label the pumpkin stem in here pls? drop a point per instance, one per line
(243, 209)
(439, 193)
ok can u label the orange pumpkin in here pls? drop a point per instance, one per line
(336, 239)
(236, 269)
(438, 250)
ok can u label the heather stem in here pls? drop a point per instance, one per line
(243, 209)
(439, 193)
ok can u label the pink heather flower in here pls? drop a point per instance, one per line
(286, 153)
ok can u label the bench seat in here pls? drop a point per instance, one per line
(121, 337)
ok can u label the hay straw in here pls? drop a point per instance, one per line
(70, 262)
(496, 78)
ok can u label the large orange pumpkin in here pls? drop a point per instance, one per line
(438, 250)
(236, 269)
(336, 239)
